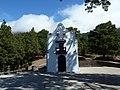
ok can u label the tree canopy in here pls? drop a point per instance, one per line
(19, 50)
(90, 4)
(104, 39)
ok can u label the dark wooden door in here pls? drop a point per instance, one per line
(61, 63)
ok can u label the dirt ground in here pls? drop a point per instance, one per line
(94, 78)
(89, 78)
(86, 80)
(39, 62)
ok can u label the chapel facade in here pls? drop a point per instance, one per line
(62, 51)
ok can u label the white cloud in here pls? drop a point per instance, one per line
(77, 17)
(39, 22)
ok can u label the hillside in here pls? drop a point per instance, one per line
(87, 33)
(118, 30)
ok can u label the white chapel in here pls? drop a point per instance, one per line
(62, 51)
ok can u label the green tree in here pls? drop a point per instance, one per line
(83, 45)
(90, 4)
(42, 39)
(7, 49)
(20, 48)
(104, 40)
(31, 46)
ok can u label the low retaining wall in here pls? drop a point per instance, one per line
(29, 69)
(98, 63)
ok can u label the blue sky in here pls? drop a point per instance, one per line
(14, 9)
(22, 15)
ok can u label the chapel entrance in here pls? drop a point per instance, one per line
(61, 63)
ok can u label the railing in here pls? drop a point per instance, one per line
(61, 50)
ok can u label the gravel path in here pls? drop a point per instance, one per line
(100, 70)
(90, 78)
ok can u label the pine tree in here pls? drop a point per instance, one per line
(104, 40)
(7, 49)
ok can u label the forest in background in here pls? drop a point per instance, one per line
(20, 49)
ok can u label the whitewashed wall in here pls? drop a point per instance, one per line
(59, 33)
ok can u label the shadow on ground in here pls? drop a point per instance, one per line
(40, 80)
